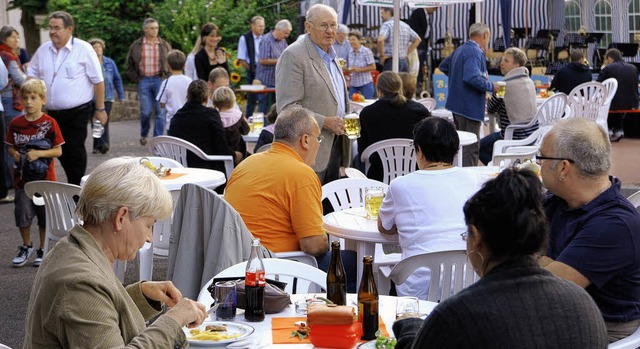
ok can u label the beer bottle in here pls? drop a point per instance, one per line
(336, 278)
(254, 285)
(368, 301)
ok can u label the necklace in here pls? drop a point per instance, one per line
(438, 164)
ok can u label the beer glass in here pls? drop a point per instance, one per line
(225, 297)
(372, 201)
(502, 89)
(258, 121)
(352, 125)
(407, 307)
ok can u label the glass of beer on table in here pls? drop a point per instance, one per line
(352, 125)
(502, 88)
(258, 121)
(372, 201)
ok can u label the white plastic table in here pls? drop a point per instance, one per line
(200, 176)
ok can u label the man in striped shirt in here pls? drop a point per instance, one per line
(518, 105)
(271, 47)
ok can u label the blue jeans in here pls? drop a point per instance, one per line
(367, 90)
(148, 88)
(403, 66)
(9, 114)
(349, 260)
(486, 147)
(251, 97)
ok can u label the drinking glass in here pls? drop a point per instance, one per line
(258, 121)
(225, 297)
(372, 201)
(352, 125)
(407, 307)
(502, 89)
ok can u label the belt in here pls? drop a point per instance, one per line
(81, 106)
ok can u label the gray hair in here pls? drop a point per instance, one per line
(292, 123)
(123, 182)
(94, 41)
(314, 11)
(66, 18)
(584, 142)
(217, 73)
(343, 29)
(6, 32)
(148, 21)
(254, 19)
(478, 29)
(518, 55)
(283, 24)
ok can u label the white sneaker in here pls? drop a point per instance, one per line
(38, 260)
(21, 258)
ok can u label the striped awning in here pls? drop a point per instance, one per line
(415, 3)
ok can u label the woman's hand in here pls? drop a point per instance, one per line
(161, 291)
(188, 313)
(221, 56)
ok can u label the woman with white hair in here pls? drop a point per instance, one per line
(77, 301)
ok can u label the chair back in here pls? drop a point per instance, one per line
(515, 155)
(611, 85)
(631, 342)
(352, 172)
(348, 193)
(429, 103)
(634, 199)
(176, 148)
(586, 100)
(397, 155)
(449, 272)
(60, 207)
(552, 109)
(297, 274)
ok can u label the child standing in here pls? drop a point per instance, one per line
(235, 125)
(22, 132)
(173, 90)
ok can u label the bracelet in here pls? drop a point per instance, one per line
(101, 109)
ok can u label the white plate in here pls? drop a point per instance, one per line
(232, 327)
(368, 345)
(252, 87)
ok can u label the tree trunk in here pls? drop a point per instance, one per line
(31, 32)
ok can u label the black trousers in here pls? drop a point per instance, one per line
(3, 167)
(73, 125)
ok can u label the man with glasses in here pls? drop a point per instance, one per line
(72, 73)
(308, 75)
(594, 231)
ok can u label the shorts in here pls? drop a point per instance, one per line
(25, 210)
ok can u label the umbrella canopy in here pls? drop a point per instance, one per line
(396, 15)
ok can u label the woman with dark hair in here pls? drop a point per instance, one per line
(391, 116)
(425, 207)
(516, 304)
(210, 56)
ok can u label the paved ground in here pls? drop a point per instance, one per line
(15, 283)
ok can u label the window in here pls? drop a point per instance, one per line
(572, 16)
(634, 18)
(603, 22)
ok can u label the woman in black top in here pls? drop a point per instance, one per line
(210, 56)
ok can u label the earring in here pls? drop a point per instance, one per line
(468, 261)
(561, 179)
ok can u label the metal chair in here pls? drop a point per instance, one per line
(429, 103)
(611, 84)
(449, 272)
(348, 192)
(586, 100)
(397, 155)
(285, 270)
(176, 148)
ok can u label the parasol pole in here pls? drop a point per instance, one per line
(396, 36)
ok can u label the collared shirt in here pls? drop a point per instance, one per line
(150, 60)
(69, 73)
(335, 72)
(242, 48)
(362, 58)
(270, 48)
(407, 36)
(342, 49)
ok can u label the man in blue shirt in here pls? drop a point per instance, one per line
(468, 85)
(248, 51)
(594, 231)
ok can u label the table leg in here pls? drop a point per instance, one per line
(363, 248)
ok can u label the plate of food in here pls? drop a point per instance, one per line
(213, 333)
(252, 87)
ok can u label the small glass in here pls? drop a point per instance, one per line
(372, 201)
(352, 125)
(225, 297)
(502, 89)
(407, 307)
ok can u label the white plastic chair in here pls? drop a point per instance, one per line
(449, 272)
(517, 149)
(158, 160)
(611, 85)
(349, 192)
(631, 342)
(397, 155)
(634, 199)
(60, 207)
(176, 148)
(586, 100)
(354, 173)
(429, 103)
(554, 108)
(284, 270)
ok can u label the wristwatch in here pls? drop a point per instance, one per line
(101, 109)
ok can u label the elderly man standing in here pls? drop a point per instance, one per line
(73, 75)
(518, 105)
(342, 45)
(627, 94)
(147, 66)
(468, 85)
(271, 48)
(594, 232)
(408, 41)
(307, 74)
(248, 50)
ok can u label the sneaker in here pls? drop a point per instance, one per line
(24, 252)
(617, 136)
(7, 199)
(38, 261)
(143, 141)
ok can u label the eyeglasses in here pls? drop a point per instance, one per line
(539, 158)
(464, 235)
(325, 26)
(320, 137)
(55, 29)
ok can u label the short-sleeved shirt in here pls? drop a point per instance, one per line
(363, 58)
(278, 197)
(407, 36)
(270, 48)
(21, 131)
(173, 94)
(601, 240)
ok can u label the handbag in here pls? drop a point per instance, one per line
(275, 298)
